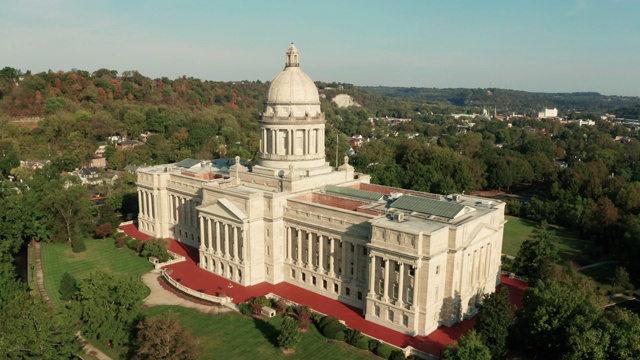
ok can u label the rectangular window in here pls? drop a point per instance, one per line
(412, 271)
(395, 290)
(351, 268)
(313, 280)
(348, 292)
(390, 315)
(268, 249)
(304, 277)
(293, 273)
(405, 320)
(352, 248)
(410, 295)
(336, 288)
(397, 267)
(359, 295)
(324, 284)
(437, 269)
(376, 310)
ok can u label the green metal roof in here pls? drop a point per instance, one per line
(422, 205)
(188, 163)
(361, 194)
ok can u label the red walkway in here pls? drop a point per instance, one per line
(190, 275)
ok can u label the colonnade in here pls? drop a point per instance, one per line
(401, 288)
(480, 261)
(222, 239)
(182, 210)
(285, 141)
(148, 204)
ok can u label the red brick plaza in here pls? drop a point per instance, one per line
(189, 274)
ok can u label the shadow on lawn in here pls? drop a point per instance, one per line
(268, 331)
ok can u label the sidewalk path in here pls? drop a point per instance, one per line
(162, 296)
(597, 264)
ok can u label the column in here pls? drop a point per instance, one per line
(218, 251)
(273, 141)
(309, 250)
(308, 137)
(343, 261)
(331, 256)
(235, 244)
(291, 142)
(288, 244)
(226, 240)
(385, 293)
(244, 245)
(355, 260)
(140, 202)
(320, 254)
(401, 285)
(416, 285)
(202, 238)
(372, 274)
(209, 236)
(299, 248)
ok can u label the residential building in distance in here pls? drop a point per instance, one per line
(411, 261)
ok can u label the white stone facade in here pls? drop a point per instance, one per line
(411, 261)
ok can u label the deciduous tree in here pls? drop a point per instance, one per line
(162, 337)
(494, 321)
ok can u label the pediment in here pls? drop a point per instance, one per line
(225, 209)
(480, 232)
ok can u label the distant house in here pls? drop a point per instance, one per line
(35, 164)
(98, 162)
(131, 169)
(93, 176)
(128, 144)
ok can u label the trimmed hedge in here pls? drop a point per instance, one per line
(363, 343)
(332, 329)
(384, 351)
(397, 355)
(373, 345)
(340, 336)
(325, 320)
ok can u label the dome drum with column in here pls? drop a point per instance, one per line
(292, 125)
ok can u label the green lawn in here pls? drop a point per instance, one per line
(233, 336)
(101, 254)
(517, 230)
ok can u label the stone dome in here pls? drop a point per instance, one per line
(292, 85)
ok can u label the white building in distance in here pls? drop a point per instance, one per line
(411, 261)
(548, 113)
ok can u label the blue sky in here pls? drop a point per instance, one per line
(549, 46)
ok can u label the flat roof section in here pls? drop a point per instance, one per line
(361, 194)
(422, 205)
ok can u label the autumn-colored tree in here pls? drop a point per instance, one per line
(163, 338)
(104, 230)
(304, 318)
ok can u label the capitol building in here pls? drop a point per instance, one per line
(411, 261)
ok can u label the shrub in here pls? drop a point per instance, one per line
(373, 345)
(352, 336)
(245, 309)
(68, 286)
(77, 245)
(316, 317)
(340, 336)
(119, 242)
(396, 355)
(281, 305)
(332, 329)
(363, 343)
(133, 243)
(326, 320)
(261, 300)
(119, 235)
(256, 309)
(384, 351)
(156, 248)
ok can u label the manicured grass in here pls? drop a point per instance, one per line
(233, 336)
(517, 230)
(101, 254)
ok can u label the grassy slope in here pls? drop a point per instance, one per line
(100, 255)
(517, 230)
(234, 336)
